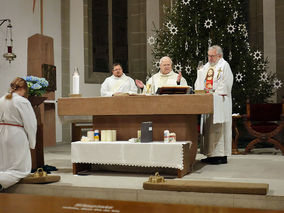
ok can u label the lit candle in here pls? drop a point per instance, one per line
(76, 80)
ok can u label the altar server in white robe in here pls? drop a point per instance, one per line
(165, 77)
(118, 83)
(216, 142)
(18, 127)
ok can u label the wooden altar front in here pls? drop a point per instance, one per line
(177, 113)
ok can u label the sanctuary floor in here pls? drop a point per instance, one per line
(260, 166)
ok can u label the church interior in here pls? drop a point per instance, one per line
(74, 45)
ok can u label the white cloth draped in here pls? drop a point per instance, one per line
(217, 129)
(114, 84)
(155, 154)
(163, 80)
(15, 142)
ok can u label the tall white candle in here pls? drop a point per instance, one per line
(76, 82)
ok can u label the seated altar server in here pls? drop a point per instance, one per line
(216, 77)
(18, 128)
(166, 76)
(118, 83)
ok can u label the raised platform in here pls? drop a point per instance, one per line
(258, 167)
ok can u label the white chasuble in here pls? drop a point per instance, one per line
(165, 80)
(123, 84)
(217, 129)
(16, 141)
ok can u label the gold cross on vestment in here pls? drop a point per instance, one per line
(219, 71)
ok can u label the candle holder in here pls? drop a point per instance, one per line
(9, 56)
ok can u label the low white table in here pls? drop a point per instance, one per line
(123, 153)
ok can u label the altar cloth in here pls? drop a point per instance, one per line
(155, 154)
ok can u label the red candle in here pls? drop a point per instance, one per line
(9, 49)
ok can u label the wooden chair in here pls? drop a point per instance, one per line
(264, 121)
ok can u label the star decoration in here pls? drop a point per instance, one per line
(208, 23)
(157, 64)
(185, 2)
(257, 55)
(239, 77)
(174, 30)
(263, 76)
(151, 40)
(242, 28)
(178, 67)
(188, 70)
(235, 15)
(261, 66)
(277, 84)
(169, 25)
(230, 28)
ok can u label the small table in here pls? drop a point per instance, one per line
(123, 153)
(235, 150)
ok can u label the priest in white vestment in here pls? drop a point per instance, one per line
(166, 76)
(18, 127)
(216, 141)
(118, 83)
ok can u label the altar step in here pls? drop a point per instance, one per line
(194, 198)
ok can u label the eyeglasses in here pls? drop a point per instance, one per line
(117, 69)
(212, 56)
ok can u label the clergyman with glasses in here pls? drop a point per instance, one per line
(118, 84)
(216, 140)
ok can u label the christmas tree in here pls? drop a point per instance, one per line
(191, 26)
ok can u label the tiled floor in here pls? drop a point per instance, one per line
(261, 166)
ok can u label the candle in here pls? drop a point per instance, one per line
(103, 135)
(113, 135)
(108, 135)
(90, 135)
(76, 80)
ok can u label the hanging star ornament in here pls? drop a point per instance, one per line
(239, 77)
(174, 30)
(169, 25)
(185, 2)
(263, 76)
(208, 23)
(157, 64)
(257, 55)
(277, 84)
(235, 15)
(151, 40)
(230, 28)
(178, 67)
(188, 70)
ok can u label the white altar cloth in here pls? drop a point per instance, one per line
(155, 154)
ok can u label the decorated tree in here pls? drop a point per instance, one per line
(191, 26)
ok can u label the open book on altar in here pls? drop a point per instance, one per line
(173, 90)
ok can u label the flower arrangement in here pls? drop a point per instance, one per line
(37, 86)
